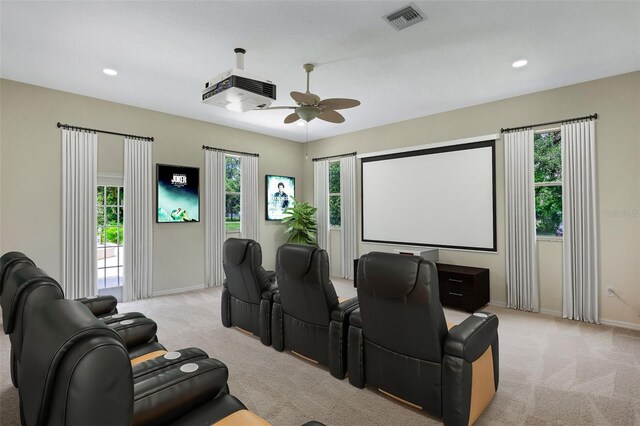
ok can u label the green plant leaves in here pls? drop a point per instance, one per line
(301, 223)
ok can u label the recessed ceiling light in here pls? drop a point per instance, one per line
(109, 71)
(519, 64)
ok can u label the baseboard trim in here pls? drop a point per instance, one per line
(177, 290)
(551, 312)
(554, 313)
(623, 324)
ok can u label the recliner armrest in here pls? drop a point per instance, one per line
(167, 396)
(276, 297)
(355, 319)
(136, 331)
(269, 292)
(100, 305)
(268, 277)
(344, 309)
(471, 338)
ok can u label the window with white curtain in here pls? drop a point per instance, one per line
(110, 240)
(232, 194)
(547, 156)
(334, 194)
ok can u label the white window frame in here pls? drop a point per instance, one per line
(239, 194)
(115, 182)
(543, 184)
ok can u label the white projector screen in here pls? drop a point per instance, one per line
(438, 197)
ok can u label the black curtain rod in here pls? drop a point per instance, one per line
(210, 148)
(86, 129)
(348, 154)
(568, 120)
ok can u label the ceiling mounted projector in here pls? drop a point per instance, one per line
(237, 90)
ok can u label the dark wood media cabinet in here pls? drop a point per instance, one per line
(463, 287)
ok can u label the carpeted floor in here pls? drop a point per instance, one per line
(552, 371)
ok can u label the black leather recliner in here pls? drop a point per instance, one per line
(77, 372)
(28, 288)
(307, 317)
(248, 289)
(399, 342)
(99, 305)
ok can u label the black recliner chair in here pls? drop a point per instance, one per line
(77, 372)
(248, 289)
(307, 317)
(28, 288)
(99, 305)
(399, 342)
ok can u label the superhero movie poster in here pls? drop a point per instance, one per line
(178, 194)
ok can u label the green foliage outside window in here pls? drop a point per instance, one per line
(232, 198)
(547, 157)
(548, 168)
(334, 210)
(334, 188)
(110, 215)
(232, 174)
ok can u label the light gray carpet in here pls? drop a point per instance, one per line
(552, 371)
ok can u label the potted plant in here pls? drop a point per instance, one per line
(301, 223)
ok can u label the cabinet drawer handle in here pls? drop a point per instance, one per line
(456, 294)
(455, 281)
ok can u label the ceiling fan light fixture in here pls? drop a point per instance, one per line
(308, 112)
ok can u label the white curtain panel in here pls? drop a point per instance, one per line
(138, 219)
(321, 201)
(214, 204)
(348, 234)
(250, 223)
(79, 185)
(521, 257)
(580, 245)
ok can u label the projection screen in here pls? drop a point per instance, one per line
(438, 197)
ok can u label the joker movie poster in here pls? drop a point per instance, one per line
(178, 194)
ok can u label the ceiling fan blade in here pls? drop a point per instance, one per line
(280, 107)
(303, 98)
(331, 116)
(339, 103)
(291, 118)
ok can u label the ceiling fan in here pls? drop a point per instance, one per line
(310, 106)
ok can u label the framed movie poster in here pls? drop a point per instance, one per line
(178, 194)
(279, 190)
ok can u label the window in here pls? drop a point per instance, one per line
(548, 184)
(232, 194)
(334, 194)
(110, 240)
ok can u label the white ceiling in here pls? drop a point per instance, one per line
(460, 56)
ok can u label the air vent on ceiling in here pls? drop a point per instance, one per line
(405, 17)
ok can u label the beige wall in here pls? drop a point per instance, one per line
(617, 101)
(30, 176)
(30, 164)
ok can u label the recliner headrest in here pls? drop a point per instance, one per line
(8, 261)
(27, 277)
(387, 274)
(53, 332)
(235, 250)
(296, 259)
